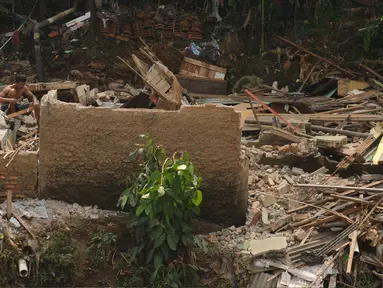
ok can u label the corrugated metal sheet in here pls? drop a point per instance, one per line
(260, 281)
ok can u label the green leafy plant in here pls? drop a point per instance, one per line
(370, 32)
(165, 196)
(102, 248)
(57, 264)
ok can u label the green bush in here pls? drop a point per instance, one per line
(165, 196)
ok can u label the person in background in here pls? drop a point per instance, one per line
(12, 96)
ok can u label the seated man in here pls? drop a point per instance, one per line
(12, 96)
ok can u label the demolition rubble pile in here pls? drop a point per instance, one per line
(341, 115)
(18, 132)
(298, 234)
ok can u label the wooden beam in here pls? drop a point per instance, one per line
(21, 112)
(364, 146)
(367, 189)
(35, 87)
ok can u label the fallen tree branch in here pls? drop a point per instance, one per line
(299, 47)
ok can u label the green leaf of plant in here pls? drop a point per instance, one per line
(133, 252)
(155, 176)
(156, 232)
(172, 245)
(198, 199)
(195, 210)
(148, 208)
(185, 239)
(152, 222)
(140, 209)
(132, 155)
(153, 278)
(150, 256)
(158, 242)
(157, 261)
(122, 201)
(140, 221)
(165, 251)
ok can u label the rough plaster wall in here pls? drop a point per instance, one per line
(84, 151)
(21, 175)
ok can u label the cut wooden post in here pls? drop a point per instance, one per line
(21, 112)
(352, 247)
(254, 113)
(378, 154)
(307, 236)
(9, 204)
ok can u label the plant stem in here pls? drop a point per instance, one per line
(263, 26)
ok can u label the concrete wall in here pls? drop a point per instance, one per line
(21, 175)
(84, 153)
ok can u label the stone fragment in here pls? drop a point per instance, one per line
(334, 142)
(243, 246)
(265, 216)
(294, 148)
(265, 246)
(269, 180)
(250, 180)
(284, 149)
(280, 223)
(300, 217)
(13, 221)
(299, 234)
(256, 209)
(267, 148)
(288, 179)
(297, 171)
(261, 183)
(284, 188)
(268, 201)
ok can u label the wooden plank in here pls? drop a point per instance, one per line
(35, 87)
(322, 117)
(163, 86)
(205, 65)
(378, 154)
(21, 112)
(284, 134)
(367, 143)
(347, 85)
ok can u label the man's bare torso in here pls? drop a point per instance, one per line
(11, 92)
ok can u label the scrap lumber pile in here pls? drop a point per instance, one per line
(342, 115)
(303, 233)
(19, 132)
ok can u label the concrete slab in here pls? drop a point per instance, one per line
(331, 141)
(272, 244)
